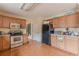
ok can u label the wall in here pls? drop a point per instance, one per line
(37, 30)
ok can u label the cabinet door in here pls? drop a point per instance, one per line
(61, 43)
(1, 44)
(23, 23)
(62, 22)
(12, 20)
(0, 21)
(25, 38)
(72, 45)
(59, 22)
(6, 42)
(72, 21)
(77, 20)
(54, 41)
(55, 23)
(6, 21)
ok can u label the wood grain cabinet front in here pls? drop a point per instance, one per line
(72, 21)
(61, 43)
(23, 23)
(72, 44)
(6, 42)
(1, 21)
(56, 23)
(6, 22)
(1, 45)
(54, 41)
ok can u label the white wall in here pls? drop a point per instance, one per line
(37, 30)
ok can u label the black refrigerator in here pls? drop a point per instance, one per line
(46, 34)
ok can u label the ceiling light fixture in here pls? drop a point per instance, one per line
(27, 6)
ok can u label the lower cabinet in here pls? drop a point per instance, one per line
(61, 43)
(67, 43)
(57, 42)
(72, 44)
(25, 38)
(4, 42)
(54, 41)
(1, 43)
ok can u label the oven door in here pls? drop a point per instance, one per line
(16, 39)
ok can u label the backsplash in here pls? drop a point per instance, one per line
(64, 29)
(74, 29)
(60, 29)
(6, 30)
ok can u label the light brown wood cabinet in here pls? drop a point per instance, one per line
(61, 43)
(25, 38)
(54, 41)
(55, 23)
(72, 44)
(4, 42)
(1, 46)
(6, 22)
(23, 23)
(59, 22)
(72, 21)
(0, 21)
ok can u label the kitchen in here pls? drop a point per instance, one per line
(66, 33)
(12, 32)
(39, 29)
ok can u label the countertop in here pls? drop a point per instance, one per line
(67, 36)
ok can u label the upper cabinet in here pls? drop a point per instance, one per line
(55, 23)
(23, 23)
(5, 21)
(59, 22)
(70, 21)
(0, 21)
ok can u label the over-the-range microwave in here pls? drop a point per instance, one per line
(14, 26)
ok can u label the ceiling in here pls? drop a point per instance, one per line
(41, 11)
